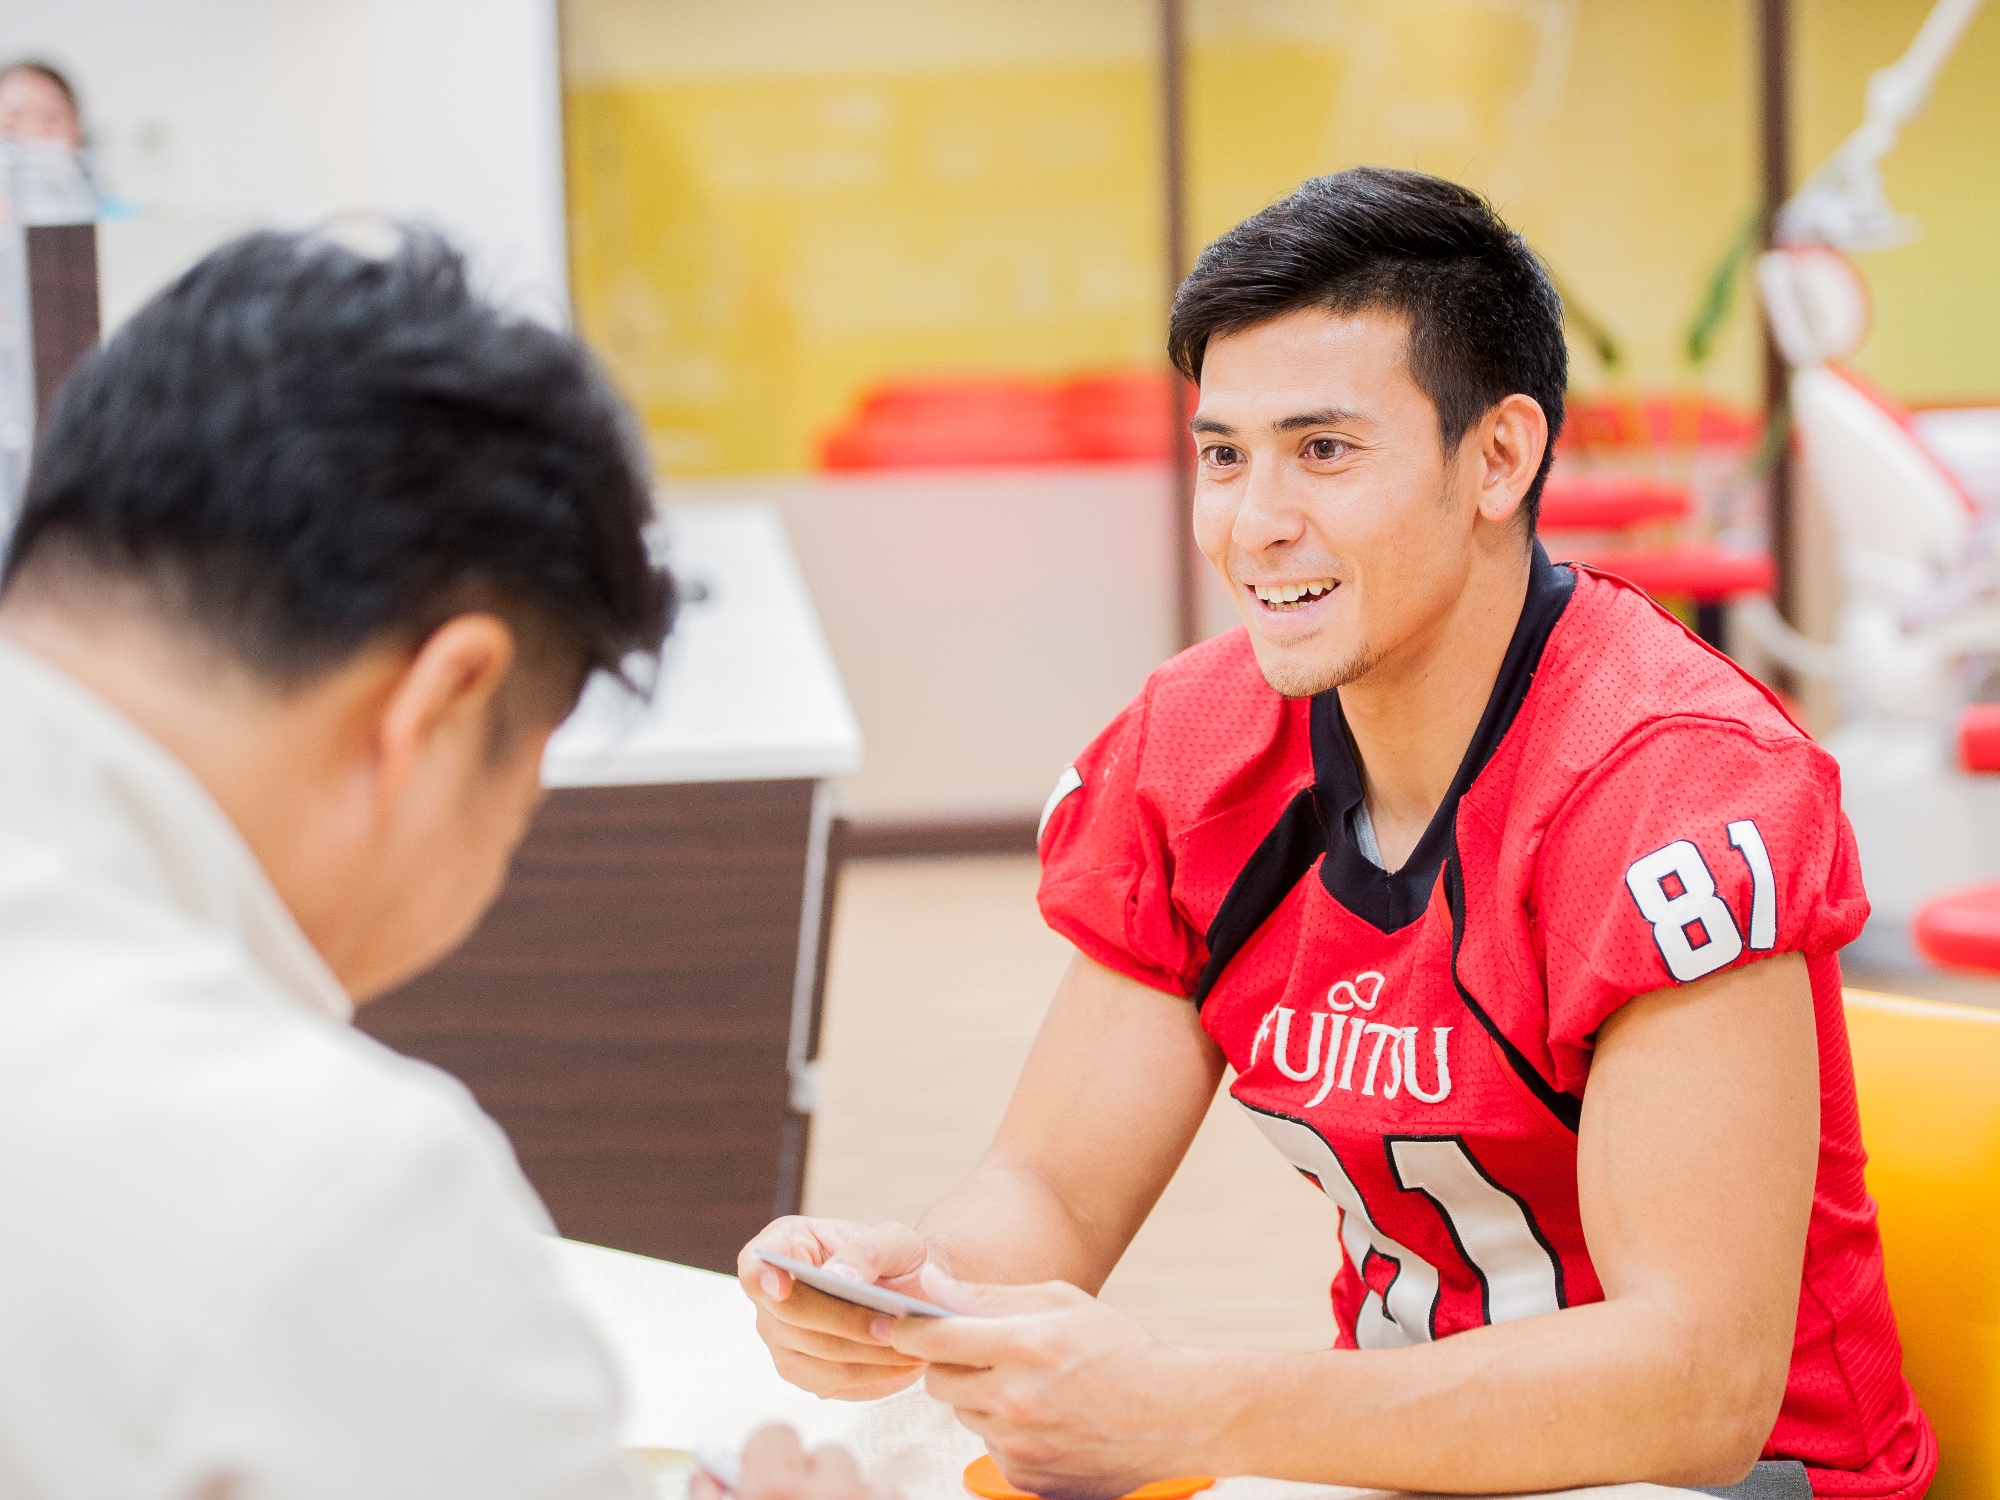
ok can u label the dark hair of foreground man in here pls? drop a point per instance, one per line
(302, 449)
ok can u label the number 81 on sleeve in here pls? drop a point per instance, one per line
(1678, 915)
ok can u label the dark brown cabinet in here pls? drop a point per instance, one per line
(625, 1011)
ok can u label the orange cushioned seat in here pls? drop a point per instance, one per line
(1929, 1081)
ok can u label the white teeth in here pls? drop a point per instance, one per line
(1282, 595)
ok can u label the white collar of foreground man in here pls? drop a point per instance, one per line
(81, 783)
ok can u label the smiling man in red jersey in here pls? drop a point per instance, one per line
(1515, 910)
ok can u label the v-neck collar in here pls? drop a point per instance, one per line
(1389, 900)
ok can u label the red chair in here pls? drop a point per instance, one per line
(1595, 491)
(1703, 574)
(950, 424)
(1621, 426)
(1609, 502)
(1599, 502)
(1120, 416)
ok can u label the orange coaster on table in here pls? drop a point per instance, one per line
(984, 1479)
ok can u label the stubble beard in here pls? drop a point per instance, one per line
(1300, 680)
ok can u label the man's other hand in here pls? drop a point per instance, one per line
(1072, 1398)
(776, 1467)
(819, 1343)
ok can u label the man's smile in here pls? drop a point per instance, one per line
(1293, 596)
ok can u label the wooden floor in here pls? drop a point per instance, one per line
(939, 974)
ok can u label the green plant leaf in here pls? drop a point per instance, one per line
(1719, 299)
(1603, 342)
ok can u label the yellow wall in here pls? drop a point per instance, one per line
(1937, 299)
(1617, 135)
(777, 203)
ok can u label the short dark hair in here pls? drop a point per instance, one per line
(306, 448)
(1484, 318)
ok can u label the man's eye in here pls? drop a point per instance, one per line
(1221, 456)
(1326, 448)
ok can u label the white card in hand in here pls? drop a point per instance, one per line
(875, 1298)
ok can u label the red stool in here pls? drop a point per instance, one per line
(1979, 737)
(1709, 577)
(1961, 929)
(1622, 502)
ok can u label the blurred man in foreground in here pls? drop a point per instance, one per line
(314, 557)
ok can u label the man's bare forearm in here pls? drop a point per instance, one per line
(1591, 1395)
(1085, 1150)
(1009, 1225)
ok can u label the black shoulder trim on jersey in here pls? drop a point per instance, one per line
(1260, 887)
(1565, 1107)
(1391, 901)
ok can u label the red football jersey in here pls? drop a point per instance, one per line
(1633, 812)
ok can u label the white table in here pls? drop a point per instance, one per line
(748, 688)
(695, 1374)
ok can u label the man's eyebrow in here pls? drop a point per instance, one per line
(1326, 416)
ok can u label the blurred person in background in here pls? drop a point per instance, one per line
(38, 104)
(47, 178)
(315, 555)
(44, 179)
(50, 173)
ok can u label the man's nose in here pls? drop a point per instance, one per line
(1269, 516)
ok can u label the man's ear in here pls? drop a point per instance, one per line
(445, 697)
(1513, 436)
